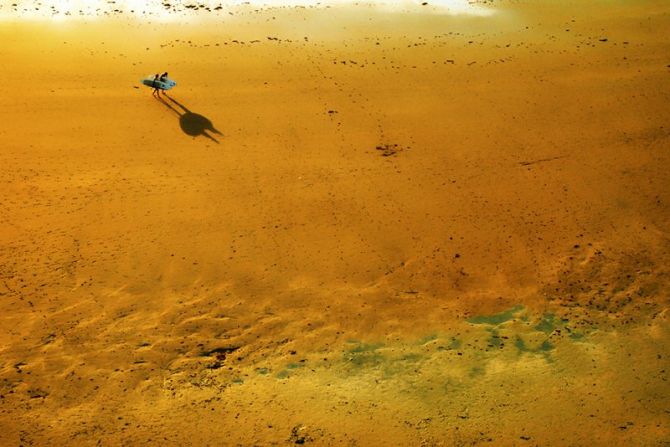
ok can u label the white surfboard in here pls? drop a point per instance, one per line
(165, 84)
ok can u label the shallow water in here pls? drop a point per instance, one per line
(178, 10)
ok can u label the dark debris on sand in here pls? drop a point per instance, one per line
(389, 150)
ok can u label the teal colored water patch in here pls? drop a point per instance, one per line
(496, 319)
(547, 324)
(294, 365)
(238, 381)
(262, 371)
(576, 335)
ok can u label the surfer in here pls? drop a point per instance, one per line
(164, 76)
(154, 85)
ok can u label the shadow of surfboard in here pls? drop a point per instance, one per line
(192, 124)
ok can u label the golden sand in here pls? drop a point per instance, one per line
(344, 226)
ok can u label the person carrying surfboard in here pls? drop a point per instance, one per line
(155, 85)
(158, 82)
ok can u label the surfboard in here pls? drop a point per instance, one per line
(165, 84)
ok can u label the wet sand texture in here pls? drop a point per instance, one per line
(344, 226)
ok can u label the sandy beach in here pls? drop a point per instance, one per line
(348, 225)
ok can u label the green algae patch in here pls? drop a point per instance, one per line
(403, 365)
(283, 374)
(287, 371)
(546, 346)
(547, 324)
(262, 371)
(364, 360)
(496, 319)
(455, 343)
(476, 371)
(364, 355)
(521, 345)
(411, 357)
(649, 289)
(576, 336)
(495, 340)
(427, 339)
(365, 347)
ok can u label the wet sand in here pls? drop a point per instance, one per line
(344, 226)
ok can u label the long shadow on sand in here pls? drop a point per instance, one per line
(192, 124)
